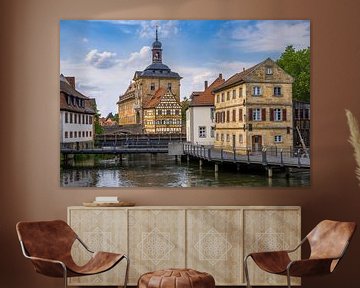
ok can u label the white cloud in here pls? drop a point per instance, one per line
(194, 76)
(140, 57)
(105, 84)
(166, 29)
(273, 36)
(102, 60)
(85, 40)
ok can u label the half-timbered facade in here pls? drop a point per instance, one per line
(162, 113)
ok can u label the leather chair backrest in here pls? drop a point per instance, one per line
(47, 239)
(329, 239)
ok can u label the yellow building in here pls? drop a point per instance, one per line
(162, 113)
(144, 86)
(253, 109)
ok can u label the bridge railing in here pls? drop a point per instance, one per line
(138, 139)
(264, 156)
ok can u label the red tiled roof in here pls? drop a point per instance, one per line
(238, 77)
(155, 100)
(206, 98)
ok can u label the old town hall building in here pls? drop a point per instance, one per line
(152, 91)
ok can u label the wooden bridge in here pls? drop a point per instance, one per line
(127, 149)
(267, 157)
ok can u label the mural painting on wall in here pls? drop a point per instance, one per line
(184, 103)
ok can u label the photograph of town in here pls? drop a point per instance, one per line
(184, 103)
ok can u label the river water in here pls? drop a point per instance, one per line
(161, 170)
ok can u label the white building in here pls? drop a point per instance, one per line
(76, 116)
(200, 116)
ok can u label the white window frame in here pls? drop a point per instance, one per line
(278, 139)
(278, 114)
(277, 91)
(269, 71)
(256, 91)
(202, 131)
(256, 114)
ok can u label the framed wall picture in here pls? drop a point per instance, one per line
(184, 103)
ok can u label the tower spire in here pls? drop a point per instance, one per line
(156, 48)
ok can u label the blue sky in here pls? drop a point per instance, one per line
(104, 54)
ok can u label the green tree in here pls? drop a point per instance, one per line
(297, 64)
(97, 126)
(184, 106)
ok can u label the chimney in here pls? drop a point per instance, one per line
(206, 84)
(220, 75)
(71, 81)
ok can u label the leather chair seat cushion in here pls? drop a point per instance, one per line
(176, 278)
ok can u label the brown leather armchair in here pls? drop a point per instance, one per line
(328, 242)
(48, 245)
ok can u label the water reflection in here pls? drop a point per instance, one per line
(161, 170)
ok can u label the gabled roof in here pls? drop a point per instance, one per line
(206, 98)
(67, 90)
(155, 100)
(248, 75)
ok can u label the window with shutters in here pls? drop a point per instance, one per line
(217, 98)
(277, 114)
(256, 114)
(240, 92)
(228, 95)
(233, 115)
(222, 97)
(240, 115)
(234, 94)
(256, 91)
(227, 116)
